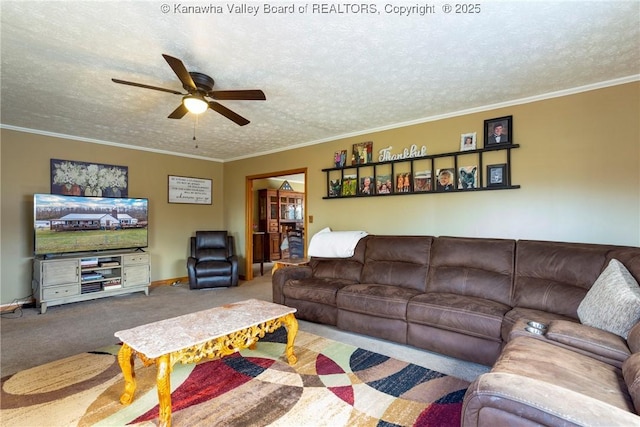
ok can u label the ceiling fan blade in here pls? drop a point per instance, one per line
(249, 95)
(179, 112)
(178, 67)
(228, 113)
(124, 82)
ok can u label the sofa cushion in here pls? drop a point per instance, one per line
(555, 276)
(613, 303)
(397, 260)
(467, 315)
(481, 268)
(380, 300)
(314, 289)
(211, 246)
(213, 268)
(565, 368)
(212, 254)
(590, 341)
(341, 268)
(631, 374)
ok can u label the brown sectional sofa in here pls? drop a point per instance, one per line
(471, 298)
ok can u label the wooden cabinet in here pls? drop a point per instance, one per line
(279, 211)
(79, 278)
(269, 205)
(291, 207)
(274, 246)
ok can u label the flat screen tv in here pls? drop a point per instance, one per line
(68, 224)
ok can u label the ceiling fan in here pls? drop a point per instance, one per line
(200, 86)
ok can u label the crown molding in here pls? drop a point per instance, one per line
(527, 100)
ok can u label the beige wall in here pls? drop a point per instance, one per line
(25, 170)
(578, 167)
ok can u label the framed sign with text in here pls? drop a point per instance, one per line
(184, 189)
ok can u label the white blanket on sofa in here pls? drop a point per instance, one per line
(334, 244)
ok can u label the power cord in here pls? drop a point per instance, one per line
(16, 312)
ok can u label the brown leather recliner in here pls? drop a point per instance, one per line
(213, 263)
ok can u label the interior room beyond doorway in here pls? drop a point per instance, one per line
(275, 205)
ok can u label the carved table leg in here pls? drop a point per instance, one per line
(163, 377)
(291, 323)
(125, 360)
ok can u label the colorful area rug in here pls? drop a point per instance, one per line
(333, 384)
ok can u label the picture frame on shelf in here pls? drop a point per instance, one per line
(335, 188)
(349, 185)
(498, 131)
(362, 153)
(468, 141)
(384, 184)
(497, 175)
(422, 181)
(468, 177)
(446, 179)
(367, 186)
(403, 183)
(340, 158)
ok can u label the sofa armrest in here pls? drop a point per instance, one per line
(602, 345)
(498, 398)
(282, 275)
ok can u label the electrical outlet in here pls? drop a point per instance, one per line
(310, 219)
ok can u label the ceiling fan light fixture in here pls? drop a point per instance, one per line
(195, 104)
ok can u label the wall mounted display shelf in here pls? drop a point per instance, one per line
(363, 180)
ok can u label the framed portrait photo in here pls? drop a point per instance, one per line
(498, 131)
(468, 141)
(497, 175)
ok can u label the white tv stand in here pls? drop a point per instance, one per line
(66, 279)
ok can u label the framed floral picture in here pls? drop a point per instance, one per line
(88, 179)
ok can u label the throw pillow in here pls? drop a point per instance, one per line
(613, 302)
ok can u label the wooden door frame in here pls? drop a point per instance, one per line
(248, 226)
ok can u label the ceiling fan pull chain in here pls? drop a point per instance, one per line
(195, 123)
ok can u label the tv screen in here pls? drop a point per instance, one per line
(66, 224)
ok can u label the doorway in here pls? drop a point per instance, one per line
(250, 207)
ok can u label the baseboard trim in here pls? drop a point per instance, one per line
(169, 282)
(30, 302)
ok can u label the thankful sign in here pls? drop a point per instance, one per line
(407, 153)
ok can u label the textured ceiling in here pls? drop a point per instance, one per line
(325, 75)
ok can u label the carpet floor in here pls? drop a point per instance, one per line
(332, 384)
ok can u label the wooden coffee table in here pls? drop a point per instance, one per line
(212, 333)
